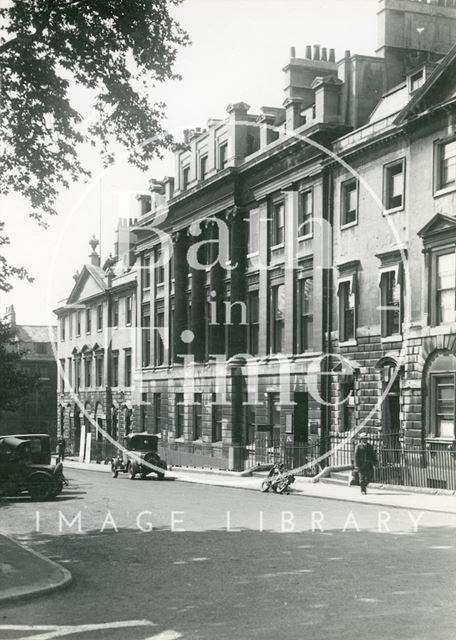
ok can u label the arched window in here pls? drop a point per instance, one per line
(440, 381)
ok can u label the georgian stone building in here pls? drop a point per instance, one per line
(260, 319)
(396, 259)
(96, 352)
(300, 258)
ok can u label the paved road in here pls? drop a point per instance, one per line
(202, 562)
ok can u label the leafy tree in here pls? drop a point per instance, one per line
(118, 49)
(15, 383)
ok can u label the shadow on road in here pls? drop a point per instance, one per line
(256, 584)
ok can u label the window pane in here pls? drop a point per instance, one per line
(446, 274)
(445, 428)
(444, 405)
(448, 164)
(305, 213)
(253, 231)
(397, 185)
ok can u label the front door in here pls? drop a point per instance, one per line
(301, 417)
(390, 415)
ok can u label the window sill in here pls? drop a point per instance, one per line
(308, 236)
(277, 247)
(348, 225)
(396, 337)
(349, 343)
(444, 191)
(387, 212)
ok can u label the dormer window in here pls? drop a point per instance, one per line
(185, 178)
(223, 155)
(146, 204)
(416, 80)
(203, 167)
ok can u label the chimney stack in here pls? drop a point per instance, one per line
(324, 54)
(332, 55)
(316, 55)
(308, 52)
(292, 52)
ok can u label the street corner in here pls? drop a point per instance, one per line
(25, 573)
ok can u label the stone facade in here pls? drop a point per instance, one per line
(96, 349)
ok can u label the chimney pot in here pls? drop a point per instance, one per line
(292, 52)
(308, 52)
(316, 55)
(332, 55)
(348, 53)
(324, 53)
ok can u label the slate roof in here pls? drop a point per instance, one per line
(36, 333)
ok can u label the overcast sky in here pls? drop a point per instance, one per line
(238, 50)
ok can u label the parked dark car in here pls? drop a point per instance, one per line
(40, 446)
(140, 451)
(21, 473)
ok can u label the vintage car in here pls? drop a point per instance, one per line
(22, 469)
(139, 457)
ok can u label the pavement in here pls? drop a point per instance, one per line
(25, 573)
(381, 495)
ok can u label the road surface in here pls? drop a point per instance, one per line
(172, 560)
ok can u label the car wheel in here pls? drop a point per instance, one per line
(40, 486)
(131, 472)
(160, 476)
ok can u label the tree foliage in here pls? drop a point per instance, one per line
(15, 383)
(118, 49)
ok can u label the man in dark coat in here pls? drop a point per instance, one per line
(365, 460)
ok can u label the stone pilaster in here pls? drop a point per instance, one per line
(238, 255)
(180, 241)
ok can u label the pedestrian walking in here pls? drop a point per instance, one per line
(61, 449)
(365, 460)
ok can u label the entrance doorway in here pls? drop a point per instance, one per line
(390, 416)
(301, 417)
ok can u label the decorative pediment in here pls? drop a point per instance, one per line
(86, 348)
(90, 283)
(441, 225)
(439, 88)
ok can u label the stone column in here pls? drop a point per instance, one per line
(198, 297)
(216, 326)
(180, 241)
(263, 287)
(238, 255)
(291, 252)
